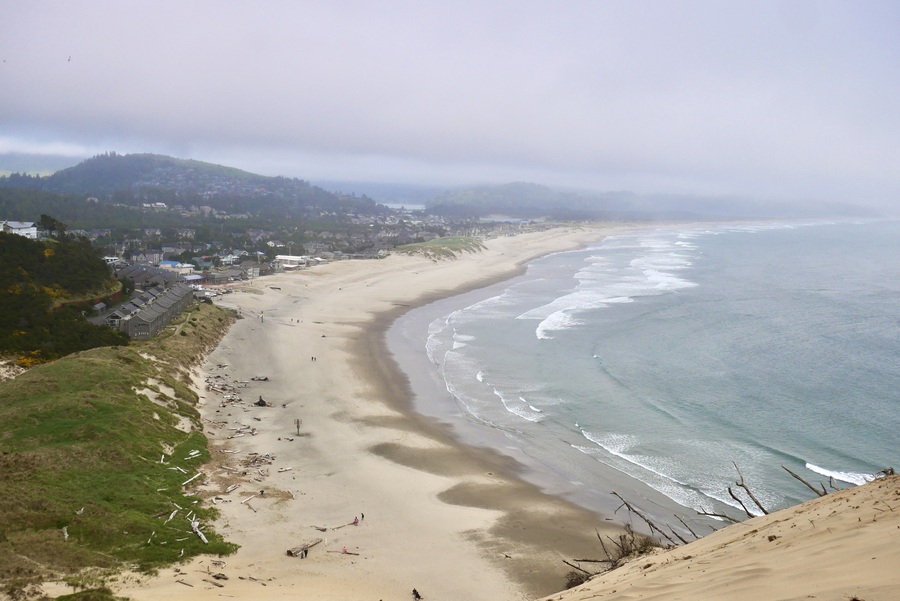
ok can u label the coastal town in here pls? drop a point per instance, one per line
(206, 249)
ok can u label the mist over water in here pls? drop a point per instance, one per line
(663, 357)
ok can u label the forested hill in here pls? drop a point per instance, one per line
(38, 278)
(134, 178)
(529, 201)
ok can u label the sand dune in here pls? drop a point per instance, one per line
(843, 546)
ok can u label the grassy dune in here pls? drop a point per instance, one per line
(94, 450)
(442, 248)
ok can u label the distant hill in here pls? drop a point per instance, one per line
(531, 201)
(135, 178)
(389, 193)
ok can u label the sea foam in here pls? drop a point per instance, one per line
(849, 477)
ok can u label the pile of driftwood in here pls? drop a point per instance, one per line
(229, 394)
(242, 430)
(230, 399)
(255, 460)
(218, 384)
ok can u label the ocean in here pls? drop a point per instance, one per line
(658, 362)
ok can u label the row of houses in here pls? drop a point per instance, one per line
(145, 315)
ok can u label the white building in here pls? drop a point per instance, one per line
(291, 261)
(22, 228)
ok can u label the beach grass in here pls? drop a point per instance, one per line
(442, 248)
(93, 594)
(94, 453)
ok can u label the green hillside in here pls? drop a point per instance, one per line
(96, 450)
(44, 287)
(133, 179)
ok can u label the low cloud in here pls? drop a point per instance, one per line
(784, 100)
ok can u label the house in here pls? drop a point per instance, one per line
(225, 275)
(195, 279)
(288, 262)
(113, 319)
(170, 250)
(177, 267)
(250, 269)
(202, 264)
(144, 277)
(147, 257)
(21, 228)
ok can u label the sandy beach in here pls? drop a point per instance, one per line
(335, 461)
(451, 521)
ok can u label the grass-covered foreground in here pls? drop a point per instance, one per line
(94, 452)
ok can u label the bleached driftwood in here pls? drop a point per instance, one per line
(195, 526)
(192, 478)
(294, 552)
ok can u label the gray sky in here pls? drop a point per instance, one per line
(778, 99)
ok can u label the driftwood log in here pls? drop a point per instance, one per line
(195, 526)
(296, 551)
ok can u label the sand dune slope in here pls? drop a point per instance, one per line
(839, 547)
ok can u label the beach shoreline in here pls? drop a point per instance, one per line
(450, 520)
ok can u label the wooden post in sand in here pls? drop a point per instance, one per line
(297, 423)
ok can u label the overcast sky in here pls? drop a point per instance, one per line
(778, 99)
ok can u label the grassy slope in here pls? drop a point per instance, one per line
(77, 434)
(442, 248)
